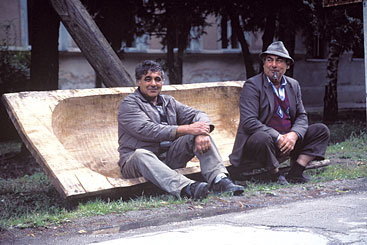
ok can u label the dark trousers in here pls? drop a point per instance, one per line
(262, 152)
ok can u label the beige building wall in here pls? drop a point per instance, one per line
(10, 22)
(211, 38)
(206, 62)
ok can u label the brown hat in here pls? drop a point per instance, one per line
(277, 48)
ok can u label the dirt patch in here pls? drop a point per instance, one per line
(15, 165)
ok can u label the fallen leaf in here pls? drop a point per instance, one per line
(82, 231)
(342, 191)
(220, 199)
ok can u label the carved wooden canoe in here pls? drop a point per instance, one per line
(73, 133)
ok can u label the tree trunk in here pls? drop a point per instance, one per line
(287, 32)
(268, 35)
(44, 35)
(183, 37)
(171, 41)
(179, 65)
(331, 95)
(269, 30)
(92, 43)
(289, 39)
(224, 31)
(108, 15)
(244, 46)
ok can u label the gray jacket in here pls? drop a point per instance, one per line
(139, 123)
(257, 107)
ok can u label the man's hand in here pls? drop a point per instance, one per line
(287, 142)
(202, 144)
(196, 128)
(199, 128)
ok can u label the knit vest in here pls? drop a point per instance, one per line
(281, 120)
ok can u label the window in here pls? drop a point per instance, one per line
(228, 40)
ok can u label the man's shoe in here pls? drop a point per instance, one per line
(282, 180)
(199, 190)
(226, 185)
(296, 174)
(298, 179)
(277, 178)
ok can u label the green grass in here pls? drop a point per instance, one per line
(52, 212)
(252, 188)
(339, 172)
(32, 201)
(354, 148)
(342, 131)
(27, 196)
(10, 147)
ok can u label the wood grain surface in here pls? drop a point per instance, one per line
(73, 133)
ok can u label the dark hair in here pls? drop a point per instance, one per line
(146, 66)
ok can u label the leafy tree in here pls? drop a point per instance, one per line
(342, 28)
(173, 20)
(14, 76)
(278, 19)
(117, 21)
(235, 11)
(275, 18)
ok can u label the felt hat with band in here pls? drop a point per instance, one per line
(277, 48)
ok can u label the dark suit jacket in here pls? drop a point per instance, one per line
(257, 108)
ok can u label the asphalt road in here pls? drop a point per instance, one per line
(340, 219)
(334, 220)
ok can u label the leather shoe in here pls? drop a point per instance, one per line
(199, 190)
(226, 185)
(296, 175)
(298, 179)
(282, 180)
(278, 178)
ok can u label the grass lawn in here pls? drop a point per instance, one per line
(32, 201)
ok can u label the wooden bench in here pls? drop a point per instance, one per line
(73, 133)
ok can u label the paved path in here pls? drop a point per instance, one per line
(334, 220)
(331, 220)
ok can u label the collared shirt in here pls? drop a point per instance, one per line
(159, 107)
(164, 145)
(280, 94)
(161, 110)
(281, 91)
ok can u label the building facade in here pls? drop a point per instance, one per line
(206, 60)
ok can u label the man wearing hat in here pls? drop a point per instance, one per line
(273, 123)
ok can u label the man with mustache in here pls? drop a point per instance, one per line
(158, 134)
(273, 123)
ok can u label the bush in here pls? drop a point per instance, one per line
(14, 76)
